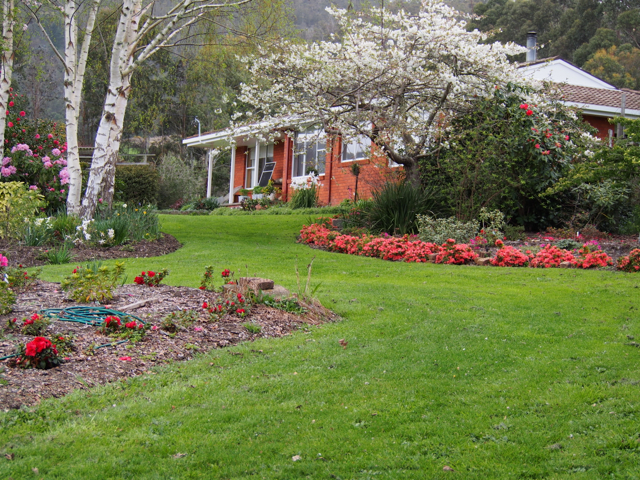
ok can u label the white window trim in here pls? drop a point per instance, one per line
(367, 140)
(324, 149)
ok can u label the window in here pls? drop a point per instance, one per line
(310, 153)
(356, 149)
(266, 155)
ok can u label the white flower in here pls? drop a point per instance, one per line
(87, 237)
(110, 233)
(124, 205)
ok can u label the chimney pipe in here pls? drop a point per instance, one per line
(532, 54)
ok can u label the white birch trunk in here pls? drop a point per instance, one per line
(6, 65)
(75, 66)
(109, 133)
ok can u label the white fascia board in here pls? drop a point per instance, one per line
(561, 71)
(603, 111)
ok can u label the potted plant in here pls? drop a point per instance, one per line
(257, 192)
(242, 194)
(270, 190)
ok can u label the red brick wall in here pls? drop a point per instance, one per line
(601, 123)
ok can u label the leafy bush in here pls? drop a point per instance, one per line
(551, 256)
(34, 154)
(17, 202)
(151, 279)
(38, 353)
(93, 282)
(567, 244)
(35, 325)
(508, 256)
(439, 230)
(514, 232)
(7, 299)
(182, 180)
(137, 184)
(455, 254)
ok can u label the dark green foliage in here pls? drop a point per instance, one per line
(504, 155)
(59, 256)
(394, 206)
(137, 184)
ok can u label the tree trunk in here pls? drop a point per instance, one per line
(73, 80)
(412, 173)
(6, 65)
(108, 137)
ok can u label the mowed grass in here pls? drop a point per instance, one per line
(496, 373)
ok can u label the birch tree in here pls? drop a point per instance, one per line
(392, 77)
(6, 63)
(74, 61)
(141, 32)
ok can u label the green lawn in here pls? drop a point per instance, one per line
(497, 373)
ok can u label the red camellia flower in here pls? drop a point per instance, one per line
(529, 113)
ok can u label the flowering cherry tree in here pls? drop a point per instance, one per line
(394, 84)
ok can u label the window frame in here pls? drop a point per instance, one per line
(358, 141)
(309, 139)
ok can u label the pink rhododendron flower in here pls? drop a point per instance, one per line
(50, 135)
(33, 187)
(7, 171)
(10, 124)
(6, 161)
(46, 159)
(48, 164)
(56, 152)
(22, 114)
(37, 136)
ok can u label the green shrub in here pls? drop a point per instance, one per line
(7, 299)
(59, 256)
(93, 282)
(180, 180)
(304, 198)
(17, 202)
(514, 232)
(137, 184)
(64, 225)
(439, 230)
(38, 232)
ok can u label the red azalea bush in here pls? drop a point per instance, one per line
(588, 259)
(455, 254)
(35, 325)
(207, 282)
(510, 257)
(552, 256)
(239, 306)
(151, 279)
(111, 324)
(38, 353)
(630, 263)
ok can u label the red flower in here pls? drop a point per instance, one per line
(529, 113)
(205, 304)
(10, 124)
(138, 280)
(241, 310)
(524, 106)
(202, 287)
(131, 324)
(22, 114)
(111, 319)
(537, 145)
(151, 274)
(125, 359)
(37, 345)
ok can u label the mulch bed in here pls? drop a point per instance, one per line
(87, 367)
(33, 256)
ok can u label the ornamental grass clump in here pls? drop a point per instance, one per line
(38, 353)
(631, 262)
(150, 278)
(551, 256)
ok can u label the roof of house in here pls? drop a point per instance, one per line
(600, 96)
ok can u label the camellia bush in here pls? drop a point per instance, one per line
(34, 155)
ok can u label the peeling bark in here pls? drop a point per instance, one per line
(6, 64)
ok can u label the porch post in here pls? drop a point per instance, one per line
(209, 172)
(286, 167)
(232, 176)
(255, 165)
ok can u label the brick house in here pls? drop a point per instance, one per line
(290, 159)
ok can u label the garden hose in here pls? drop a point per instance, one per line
(87, 315)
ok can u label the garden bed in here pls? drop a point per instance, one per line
(87, 366)
(34, 256)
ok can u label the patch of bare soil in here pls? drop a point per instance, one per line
(87, 366)
(34, 256)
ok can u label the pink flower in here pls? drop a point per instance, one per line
(56, 152)
(125, 359)
(22, 114)
(537, 145)
(6, 161)
(48, 164)
(50, 136)
(198, 329)
(37, 136)
(10, 124)
(33, 187)
(524, 106)
(3, 261)
(11, 104)
(155, 327)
